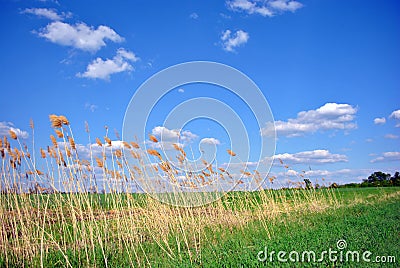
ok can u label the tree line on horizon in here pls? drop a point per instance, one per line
(376, 179)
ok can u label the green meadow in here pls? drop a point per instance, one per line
(119, 230)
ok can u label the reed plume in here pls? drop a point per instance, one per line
(54, 141)
(59, 133)
(55, 121)
(13, 135)
(153, 138)
(98, 141)
(154, 153)
(72, 143)
(230, 152)
(108, 141)
(135, 145)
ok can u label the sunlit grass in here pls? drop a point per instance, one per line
(79, 226)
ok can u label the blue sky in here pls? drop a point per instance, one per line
(329, 70)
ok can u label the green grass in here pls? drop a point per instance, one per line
(373, 227)
(367, 218)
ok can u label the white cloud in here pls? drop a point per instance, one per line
(5, 128)
(173, 134)
(391, 136)
(80, 35)
(165, 133)
(339, 176)
(264, 8)
(395, 115)
(181, 90)
(194, 16)
(167, 138)
(94, 150)
(379, 120)
(102, 69)
(231, 41)
(387, 157)
(210, 141)
(311, 157)
(327, 117)
(285, 5)
(48, 13)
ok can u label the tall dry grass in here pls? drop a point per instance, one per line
(53, 203)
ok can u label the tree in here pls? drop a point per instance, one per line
(395, 180)
(378, 178)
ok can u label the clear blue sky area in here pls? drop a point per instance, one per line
(329, 70)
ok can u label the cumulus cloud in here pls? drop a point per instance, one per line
(181, 90)
(331, 116)
(379, 120)
(79, 36)
(5, 128)
(311, 157)
(210, 141)
(47, 13)
(230, 40)
(167, 137)
(387, 157)
(102, 69)
(173, 134)
(266, 8)
(395, 115)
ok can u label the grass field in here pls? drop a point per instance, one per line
(138, 231)
(42, 226)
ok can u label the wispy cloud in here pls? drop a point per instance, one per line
(47, 13)
(331, 116)
(5, 128)
(315, 157)
(79, 36)
(326, 177)
(91, 107)
(230, 40)
(387, 157)
(103, 69)
(391, 136)
(194, 16)
(379, 120)
(266, 8)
